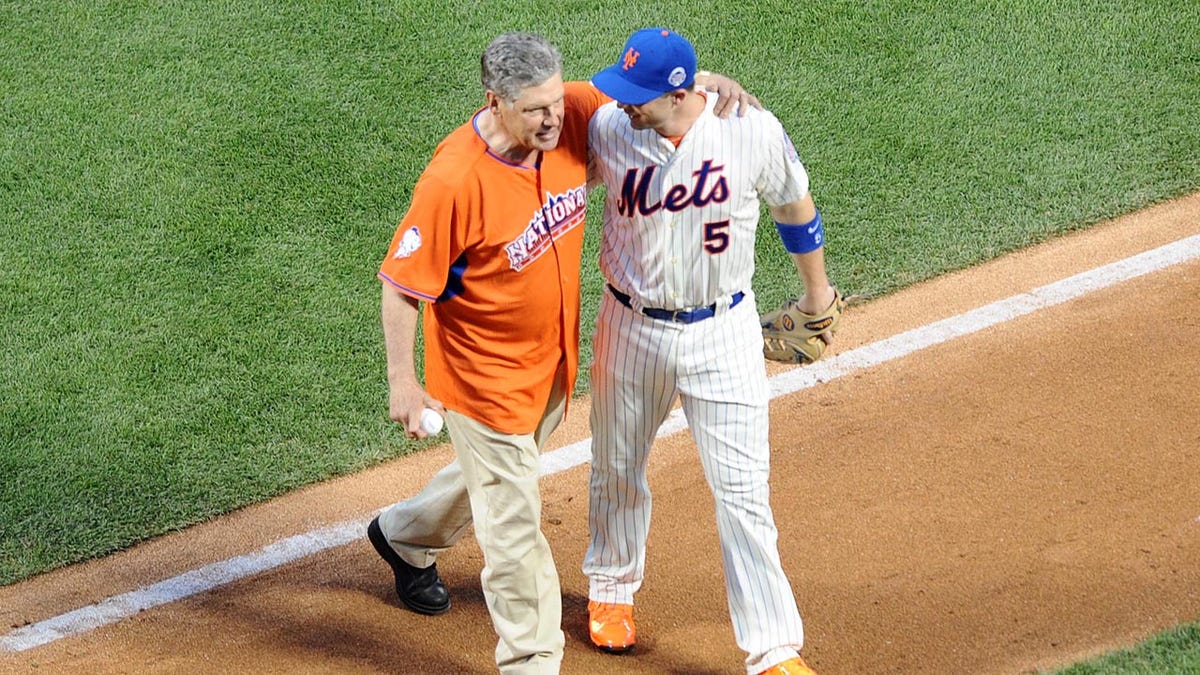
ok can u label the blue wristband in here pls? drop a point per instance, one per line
(803, 238)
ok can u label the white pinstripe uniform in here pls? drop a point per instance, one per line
(679, 233)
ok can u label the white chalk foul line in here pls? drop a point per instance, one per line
(118, 607)
(986, 316)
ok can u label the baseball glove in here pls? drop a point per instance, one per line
(792, 336)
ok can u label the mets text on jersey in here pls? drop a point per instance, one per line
(560, 214)
(635, 191)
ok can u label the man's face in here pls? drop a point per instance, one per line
(535, 118)
(650, 115)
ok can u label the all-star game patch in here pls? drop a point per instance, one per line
(792, 155)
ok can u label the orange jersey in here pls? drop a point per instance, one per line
(494, 248)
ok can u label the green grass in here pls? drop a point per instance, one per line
(196, 197)
(1176, 651)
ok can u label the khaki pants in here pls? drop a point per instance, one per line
(494, 483)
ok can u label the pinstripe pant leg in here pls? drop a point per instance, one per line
(725, 396)
(633, 389)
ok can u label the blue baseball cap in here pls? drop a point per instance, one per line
(653, 62)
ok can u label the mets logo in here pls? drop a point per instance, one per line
(409, 243)
(631, 58)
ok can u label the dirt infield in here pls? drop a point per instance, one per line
(1017, 498)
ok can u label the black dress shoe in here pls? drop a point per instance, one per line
(421, 590)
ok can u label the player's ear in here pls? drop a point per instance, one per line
(493, 101)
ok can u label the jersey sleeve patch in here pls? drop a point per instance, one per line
(792, 155)
(410, 241)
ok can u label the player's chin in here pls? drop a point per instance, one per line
(547, 140)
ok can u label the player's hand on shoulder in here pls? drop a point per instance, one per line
(730, 96)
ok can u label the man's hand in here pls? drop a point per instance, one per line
(729, 94)
(405, 405)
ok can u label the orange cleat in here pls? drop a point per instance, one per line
(611, 626)
(795, 666)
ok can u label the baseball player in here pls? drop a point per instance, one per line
(679, 320)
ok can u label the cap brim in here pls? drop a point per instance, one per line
(615, 86)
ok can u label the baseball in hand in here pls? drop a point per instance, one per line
(431, 421)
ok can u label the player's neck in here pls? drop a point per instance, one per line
(686, 114)
(502, 143)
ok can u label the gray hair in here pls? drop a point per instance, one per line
(515, 61)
